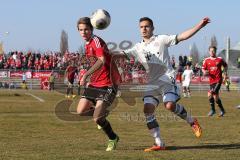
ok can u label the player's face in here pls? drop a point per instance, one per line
(146, 29)
(85, 31)
(212, 52)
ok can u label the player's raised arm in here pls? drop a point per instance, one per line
(189, 33)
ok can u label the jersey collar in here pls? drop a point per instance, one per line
(150, 39)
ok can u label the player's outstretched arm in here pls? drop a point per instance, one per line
(189, 33)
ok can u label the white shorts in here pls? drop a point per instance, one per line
(165, 92)
(186, 83)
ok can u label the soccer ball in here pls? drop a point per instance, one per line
(100, 19)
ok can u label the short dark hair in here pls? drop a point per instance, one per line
(214, 47)
(146, 19)
(85, 20)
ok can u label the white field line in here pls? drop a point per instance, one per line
(36, 97)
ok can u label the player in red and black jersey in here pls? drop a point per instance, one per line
(70, 73)
(101, 89)
(212, 67)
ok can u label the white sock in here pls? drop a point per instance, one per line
(155, 132)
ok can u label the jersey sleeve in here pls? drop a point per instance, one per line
(98, 47)
(169, 40)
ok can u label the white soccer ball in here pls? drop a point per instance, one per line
(100, 19)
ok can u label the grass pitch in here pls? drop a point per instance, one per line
(30, 129)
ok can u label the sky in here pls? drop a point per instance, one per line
(37, 25)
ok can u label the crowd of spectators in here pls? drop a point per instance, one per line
(36, 61)
(56, 61)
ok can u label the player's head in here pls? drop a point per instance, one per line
(85, 28)
(212, 51)
(146, 27)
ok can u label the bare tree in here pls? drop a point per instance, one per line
(63, 42)
(214, 41)
(1, 48)
(194, 53)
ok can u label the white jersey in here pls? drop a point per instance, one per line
(154, 56)
(187, 74)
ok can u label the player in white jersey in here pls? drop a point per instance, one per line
(152, 52)
(186, 77)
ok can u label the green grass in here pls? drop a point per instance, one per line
(29, 129)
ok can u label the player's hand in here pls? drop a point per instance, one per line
(205, 21)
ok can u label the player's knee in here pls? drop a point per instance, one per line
(170, 106)
(211, 100)
(80, 111)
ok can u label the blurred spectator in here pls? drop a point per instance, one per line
(51, 81)
(189, 61)
(238, 62)
(227, 84)
(197, 70)
(181, 66)
(173, 63)
(24, 81)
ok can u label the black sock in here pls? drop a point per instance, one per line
(107, 129)
(212, 104)
(219, 102)
(68, 90)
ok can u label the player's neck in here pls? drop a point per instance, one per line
(89, 38)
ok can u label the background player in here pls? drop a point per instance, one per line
(212, 67)
(70, 73)
(186, 80)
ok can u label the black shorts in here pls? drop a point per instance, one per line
(106, 94)
(71, 81)
(215, 87)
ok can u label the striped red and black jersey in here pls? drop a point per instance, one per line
(214, 67)
(106, 75)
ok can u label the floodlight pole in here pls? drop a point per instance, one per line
(228, 49)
